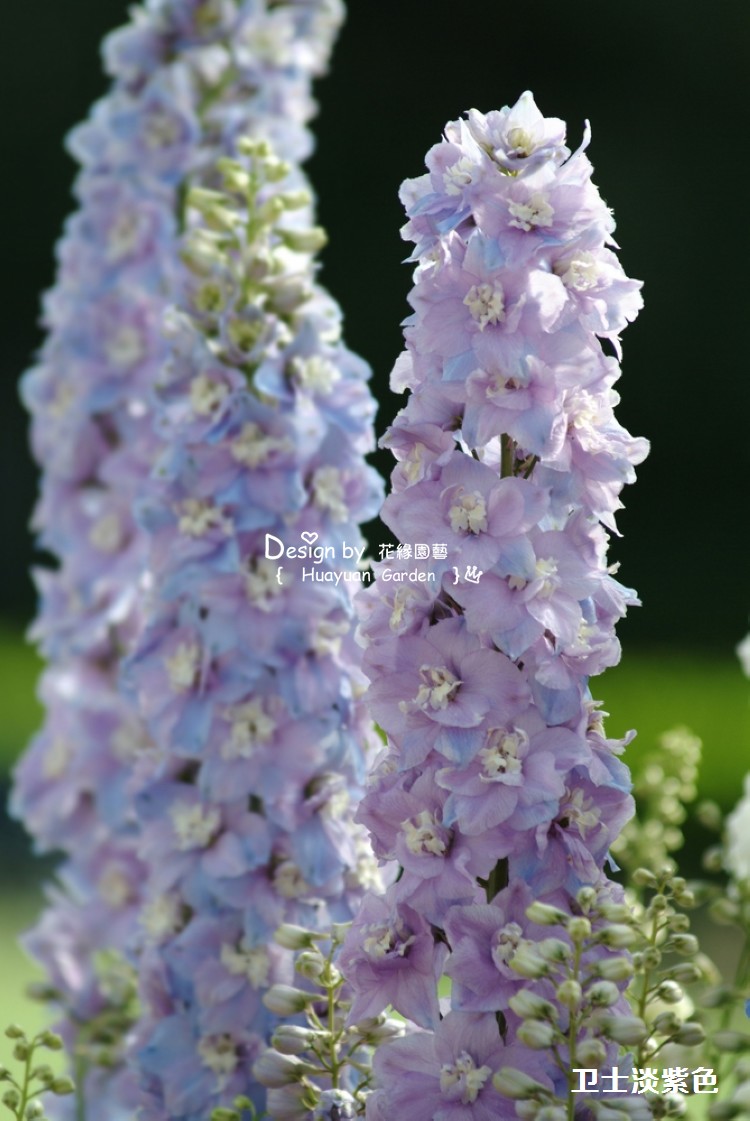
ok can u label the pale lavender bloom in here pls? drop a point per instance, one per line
(510, 466)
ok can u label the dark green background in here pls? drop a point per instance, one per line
(665, 87)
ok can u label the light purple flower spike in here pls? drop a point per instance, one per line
(497, 786)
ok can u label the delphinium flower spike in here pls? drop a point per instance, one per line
(498, 786)
(189, 77)
(244, 672)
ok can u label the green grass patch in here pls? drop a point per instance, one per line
(21, 712)
(655, 691)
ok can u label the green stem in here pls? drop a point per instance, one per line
(507, 455)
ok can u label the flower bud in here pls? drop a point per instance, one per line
(528, 961)
(618, 936)
(625, 1029)
(551, 1113)
(221, 1113)
(586, 897)
(537, 1034)
(290, 1039)
(614, 969)
(554, 949)
(293, 937)
(304, 241)
(11, 1098)
(527, 1004)
(666, 1023)
(545, 915)
(285, 1000)
(310, 964)
(686, 944)
(62, 1085)
(569, 993)
(603, 994)
(274, 1069)
(642, 877)
(670, 992)
(13, 1031)
(591, 1053)
(685, 973)
(579, 928)
(515, 1084)
(34, 1110)
(690, 1034)
(651, 957)
(616, 912)
(679, 923)
(378, 1029)
(21, 1051)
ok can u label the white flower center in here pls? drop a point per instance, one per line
(401, 601)
(328, 493)
(520, 142)
(578, 810)
(459, 176)
(106, 533)
(469, 514)
(315, 374)
(199, 516)
(252, 962)
(580, 272)
(534, 213)
(506, 942)
(424, 835)
(437, 689)
(161, 130)
(261, 585)
(500, 755)
(125, 347)
(206, 395)
(289, 881)
(253, 447)
(219, 1054)
(386, 938)
(486, 302)
(161, 917)
(463, 1080)
(194, 825)
(122, 235)
(56, 758)
(113, 886)
(546, 571)
(251, 726)
(182, 666)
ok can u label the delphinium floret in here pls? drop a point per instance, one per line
(498, 785)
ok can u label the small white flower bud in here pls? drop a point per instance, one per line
(304, 241)
(614, 969)
(274, 1069)
(285, 1000)
(591, 1053)
(537, 1034)
(528, 961)
(579, 928)
(603, 994)
(690, 1034)
(290, 1039)
(293, 937)
(686, 944)
(530, 1005)
(625, 1029)
(546, 915)
(554, 949)
(310, 964)
(569, 993)
(517, 1085)
(670, 992)
(618, 936)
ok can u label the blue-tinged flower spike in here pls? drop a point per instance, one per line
(245, 671)
(189, 76)
(498, 785)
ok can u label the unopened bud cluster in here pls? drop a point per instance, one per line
(319, 1064)
(21, 1095)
